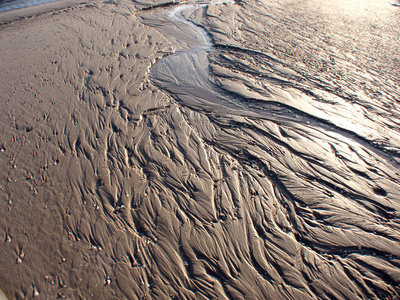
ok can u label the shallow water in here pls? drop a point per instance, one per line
(17, 4)
(313, 157)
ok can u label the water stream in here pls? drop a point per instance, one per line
(331, 168)
(186, 75)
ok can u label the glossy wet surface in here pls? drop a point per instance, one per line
(245, 150)
(309, 126)
(17, 4)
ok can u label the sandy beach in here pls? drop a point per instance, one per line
(200, 150)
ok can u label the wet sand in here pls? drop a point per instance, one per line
(244, 150)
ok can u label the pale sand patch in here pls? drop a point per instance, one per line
(2, 296)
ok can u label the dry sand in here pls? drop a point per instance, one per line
(142, 159)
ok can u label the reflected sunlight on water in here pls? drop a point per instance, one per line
(353, 8)
(17, 4)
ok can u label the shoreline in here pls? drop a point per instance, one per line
(14, 15)
(28, 12)
(19, 4)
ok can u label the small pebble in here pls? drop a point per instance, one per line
(35, 292)
(8, 238)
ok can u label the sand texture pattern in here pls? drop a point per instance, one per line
(237, 150)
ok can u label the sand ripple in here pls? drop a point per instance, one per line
(255, 158)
